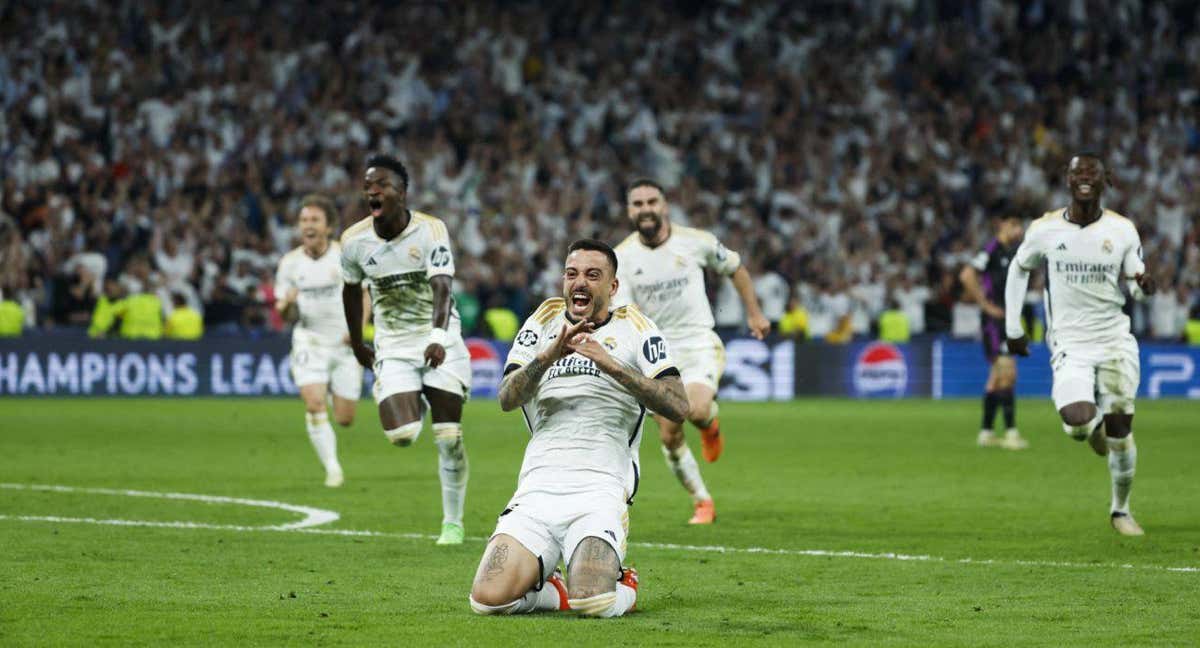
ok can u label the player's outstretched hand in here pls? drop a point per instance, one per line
(365, 355)
(435, 354)
(1019, 346)
(588, 347)
(759, 325)
(564, 344)
(1146, 282)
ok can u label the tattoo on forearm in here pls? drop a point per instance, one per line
(495, 563)
(667, 397)
(518, 387)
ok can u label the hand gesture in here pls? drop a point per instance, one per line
(587, 346)
(568, 338)
(1019, 346)
(365, 355)
(759, 326)
(435, 354)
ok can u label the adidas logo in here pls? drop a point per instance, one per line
(610, 533)
(1062, 247)
(371, 261)
(638, 272)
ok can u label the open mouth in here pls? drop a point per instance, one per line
(1085, 187)
(375, 206)
(580, 301)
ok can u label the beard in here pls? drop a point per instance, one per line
(649, 227)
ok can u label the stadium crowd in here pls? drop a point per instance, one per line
(855, 152)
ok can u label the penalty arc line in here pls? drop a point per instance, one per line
(662, 546)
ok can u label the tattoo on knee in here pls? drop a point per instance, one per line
(495, 562)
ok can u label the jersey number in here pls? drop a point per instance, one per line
(654, 349)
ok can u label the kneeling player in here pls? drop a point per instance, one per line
(309, 278)
(583, 377)
(1088, 252)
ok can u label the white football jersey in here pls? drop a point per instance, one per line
(398, 272)
(1085, 266)
(319, 282)
(585, 427)
(667, 282)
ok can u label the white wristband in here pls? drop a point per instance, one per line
(438, 336)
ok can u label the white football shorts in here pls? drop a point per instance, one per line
(699, 358)
(403, 375)
(1106, 375)
(552, 526)
(314, 364)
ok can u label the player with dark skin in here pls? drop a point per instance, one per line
(386, 195)
(1086, 178)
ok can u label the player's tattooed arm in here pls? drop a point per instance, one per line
(519, 386)
(664, 396)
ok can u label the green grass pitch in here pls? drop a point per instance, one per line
(1012, 548)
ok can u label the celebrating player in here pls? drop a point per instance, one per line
(583, 377)
(405, 258)
(662, 271)
(309, 278)
(1088, 251)
(992, 265)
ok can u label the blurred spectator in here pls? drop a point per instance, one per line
(12, 317)
(184, 323)
(795, 321)
(893, 325)
(104, 315)
(500, 321)
(854, 144)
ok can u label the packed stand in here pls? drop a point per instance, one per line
(855, 151)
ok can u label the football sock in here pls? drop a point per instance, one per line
(610, 604)
(1081, 432)
(488, 610)
(320, 432)
(712, 415)
(683, 464)
(404, 435)
(1008, 407)
(538, 600)
(1122, 463)
(452, 470)
(989, 410)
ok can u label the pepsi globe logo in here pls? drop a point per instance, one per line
(486, 371)
(880, 370)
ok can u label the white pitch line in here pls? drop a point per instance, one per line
(312, 516)
(666, 546)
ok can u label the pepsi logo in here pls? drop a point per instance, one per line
(880, 370)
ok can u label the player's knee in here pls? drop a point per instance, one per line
(1078, 414)
(699, 412)
(405, 434)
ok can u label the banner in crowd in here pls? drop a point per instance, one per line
(755, 370)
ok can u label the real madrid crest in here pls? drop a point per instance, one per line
(610, 343)
(1107, 247)
(414, 255)
(680, 262)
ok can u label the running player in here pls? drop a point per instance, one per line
(1088, 252)
(662, 271)
(309, 279)
(404, 257)
(583, 377)
(983, 281)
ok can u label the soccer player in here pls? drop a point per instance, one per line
(983, 281)
(583, 376)
(404, 257)
(1088, 252)
(309, 279)
(662, 271)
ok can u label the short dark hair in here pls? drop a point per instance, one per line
(390, 163)
(325, 204)
(644, 182)
(596, 246)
